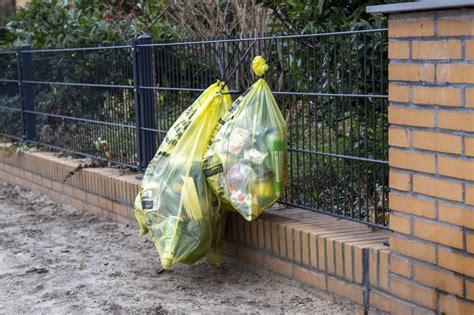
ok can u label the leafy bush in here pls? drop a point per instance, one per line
(55, 23)
(321, 128)
(318, 16)
(58, 24)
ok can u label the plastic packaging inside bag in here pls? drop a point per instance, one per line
(174, 203)
(245, 163)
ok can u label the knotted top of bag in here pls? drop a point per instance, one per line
(259, 65)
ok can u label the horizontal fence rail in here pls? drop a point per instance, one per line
(116, 103)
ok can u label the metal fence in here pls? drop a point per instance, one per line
(116, 103)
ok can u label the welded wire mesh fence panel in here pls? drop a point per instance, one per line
(333, 96)
(84, 101)
(182, 73)
(332, 92)
(117, 103)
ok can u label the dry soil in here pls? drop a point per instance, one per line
(55, 259)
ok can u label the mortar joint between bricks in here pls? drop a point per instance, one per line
(326, 262)
(432, 84)
(410, 49)
(464, 287)
(293, 242)
(463, 96)
(464, 239)
(343, 257)
(365, 277)
(410, 138)
(463, 49)
(437, 302)
(463, 193)
(378, 269)
(301, 245)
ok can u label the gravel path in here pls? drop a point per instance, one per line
(56, 259)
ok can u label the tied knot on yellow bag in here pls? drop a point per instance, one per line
(259, 65)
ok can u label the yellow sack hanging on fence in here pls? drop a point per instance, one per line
(174, 203)
(245, 163)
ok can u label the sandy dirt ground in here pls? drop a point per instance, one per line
(55, 259)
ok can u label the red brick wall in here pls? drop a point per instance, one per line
(431, 137)
(340, 256)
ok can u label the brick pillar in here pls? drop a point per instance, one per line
(431, 138)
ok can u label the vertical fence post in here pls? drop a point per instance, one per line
(136, 105)
(25, 73)
(144, 99)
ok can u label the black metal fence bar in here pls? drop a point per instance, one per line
(274, 92)
(8, 81)
(25, 68)
(75, 49)
(252, 38)
(116, 103)
(146, 100)
(78, 84)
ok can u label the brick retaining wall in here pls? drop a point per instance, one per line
(431, 140)
(347, 258)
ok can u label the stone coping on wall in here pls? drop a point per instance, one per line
(424, 5)
(344, 257)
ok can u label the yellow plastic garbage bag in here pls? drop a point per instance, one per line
(245, 163)
(174, 203)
